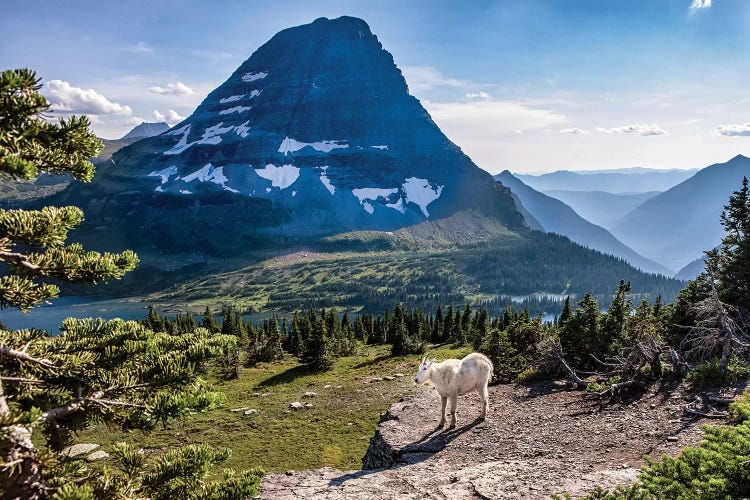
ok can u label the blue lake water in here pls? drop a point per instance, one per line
(50, 317)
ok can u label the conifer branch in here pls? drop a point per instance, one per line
(22, 356)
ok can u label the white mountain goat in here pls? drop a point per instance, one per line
(455, 377)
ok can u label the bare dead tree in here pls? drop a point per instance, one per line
(552, 359)
(720, 328)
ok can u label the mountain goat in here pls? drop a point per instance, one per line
(455, 377)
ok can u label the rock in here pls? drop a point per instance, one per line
(296, 405)
(310, 394)
(672, 439)
(308, 405)
(376, 379)
(265, 394)
(79, 449)
(251, 411)
(327, 386)
(97, 455)
(240, 409)
(339, 387)
(399, 375)
(389, 378)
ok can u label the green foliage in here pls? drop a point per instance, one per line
(28, 143)
(116, 372)
(716, 469)
(32, 243)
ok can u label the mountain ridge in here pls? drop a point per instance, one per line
(678, 225)
(557, 217)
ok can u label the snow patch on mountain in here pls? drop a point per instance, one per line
(209, 173)
(326, 181)
(182, 144)
(165, 174)
(381, 147)
(243, 129)
(231, 98)
(251, 77)
(212, 135)
(185, 191)
(398, 205)
(421, 193)
(372, 194)
(254, 93)
(235, 109)
(281, 177)
(289, 145)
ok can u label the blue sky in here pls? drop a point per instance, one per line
(527, 85)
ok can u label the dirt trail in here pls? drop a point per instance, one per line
(538, 440)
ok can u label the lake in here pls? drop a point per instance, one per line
(50, 317)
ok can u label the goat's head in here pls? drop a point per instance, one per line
(424, 370)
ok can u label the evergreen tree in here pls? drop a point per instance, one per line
(732, 262)
(318, 353)
(209, 322)
(614, 321)
(117, 372)
(438, 327)
(153, 321)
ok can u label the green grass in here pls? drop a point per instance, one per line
(335, 432)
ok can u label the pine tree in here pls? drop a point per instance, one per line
(318, 353)
(117, 372)
(732, 263)
(209, 322)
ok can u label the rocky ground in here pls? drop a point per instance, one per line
(539, 439)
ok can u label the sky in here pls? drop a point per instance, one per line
(525, 85)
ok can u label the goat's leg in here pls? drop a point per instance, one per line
(454, 402)
(484, 394)
(444, 401)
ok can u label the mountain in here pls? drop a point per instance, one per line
(314, 134)
(692, 270)
(676, 226)
(637, 181)
(602, 208)
(146, 129)
(556, 217)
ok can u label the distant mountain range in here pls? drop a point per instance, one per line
(638, 180)
(554, 216)
(602, 208)
(692, 270)
(147, 129)
(678, 225)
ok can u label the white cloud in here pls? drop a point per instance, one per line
(134, 120)
(178, 88)
(171, 118)
(216, 55)
(700, 4)
(573, 131)
(142, 47)
(478, 95)
(488, 118)
(734, 130)
(174, 116)
(637, 128)
(421, 78)
(66, 98)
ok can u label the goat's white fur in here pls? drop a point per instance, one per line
(455, 377)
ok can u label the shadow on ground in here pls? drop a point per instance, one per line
(414, 452)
